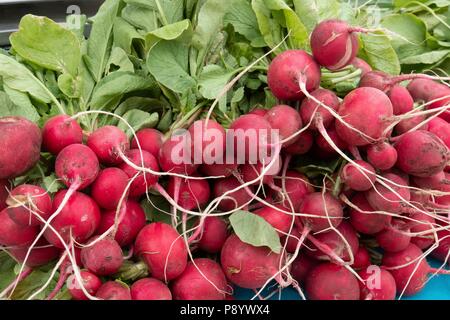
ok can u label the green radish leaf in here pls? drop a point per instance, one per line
(270, 29)
(170, 32)
(140, 103)
(125, 34)
(254, 230)
(427, 58)
(141, 17)
(32, 283)
(166, 121)
(311, 12)
(212, 80)
(157, 209)
(119, 59)
(379, 53)
(76, 23)
(21, 106)
(69, 85)
(52, 184)
(169, 11)
(138, 120)
(7, 265)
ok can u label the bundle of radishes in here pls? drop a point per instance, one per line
(361, 232)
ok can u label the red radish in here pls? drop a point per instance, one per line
(382, 156)
(247, 266)
(310, 109)
(4, 187)
(109, 187)
(410, 123)
(423, 223)
(163, 250)
(26, 198)
(193, 194)
(20, 145)
(13, 234)
(441, 129)
(41, 254)
(203, 281)
(150, 289)
(113, 290)
(90, 282)
(323, 205)
(301, 267)
(215, 232)
(328, 281)
(385, 82)
(393, 239)
(285, 119)
(290, 68)
(442, 251)
(383, 199)
(362, 259)
(421, 153)
(295, 187)
(364, 220)
(149, 139)
(259, 111)
(108, 143)
(59, 132)
(356, 178)
(431, 182)
(401, 99)
(208, 141)
(302, 143)
(144, 181)
(173, 158)
(132, 221)
(77, 166)
(441, 100)
(252, 172)
(362, 65)
(334, 44)
(368, 110)
(379, 284)
(103, 258)
(78, 218)
(217, 170)
(278, 219)
(325, 147)
(222, 186)
(423, 89)
(292, 240)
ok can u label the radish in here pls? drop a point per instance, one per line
(325, 148)
(288, 69)
(27, 198)
(149, 140)
(150, 289)
(259, 111)
(357, 179)
(77, 166)
(401, 99)
(385, 82)
(143, 181)
(217, 170)
(363, 219)
(109, 187)
(441, 129)
(79, 217)
(208, 142)
(278, 219)
(108, 143)
(390, 200)
(361, 65)
(90, 282)
(421, 153)
(103, 258)
(295, 186)
(203, 279)
(239, 197)
(362, 259)
(310, 109)
(13, 234)
(422, 223)
(59, 132)
(214, 234)
(162, 249)
(131, 220)
(377, 286)
(431, 182)
(328, 281)
(171, 161)
(301, 267)
(368, 110)
(302, 144)
(40, 255)
(4, 186)
(423, 89)
(393, 238)
(408, 124)
(286, 120)
(382, 156)
(291, 240)
(192, 193)
(334, 44)
(252, 172)
(20, 145)
(327, 209)
(247, 266)
(113, 290)
(442, 251)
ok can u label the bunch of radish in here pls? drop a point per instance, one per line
(391, 192)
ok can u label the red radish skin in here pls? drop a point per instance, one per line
(4, 187)
(241, 197)
(367, 223)
(107, 143)
(149, 139)
(334, 44)
(288, 69)
(162, 249)
(421, 153)
(441, 100)
(203, 281)
(296, 187)
(301, 267)
(382, 156)
(392, 239)
(218, 170)
(90, 282)
(103, 258)
(431, 182)
(441, 129)
(113, 290)
(150, 289)
(215, 232)
(423, 89)
(285, 119)
(324, 147)
(208, 141)
(34, 198)
(401, 99)
(302, 144)
(13, 234)
(59, 132)
(252, 172)
(370, 291)
(132, 221)
(193, 194)
(357, 179)
(166, 157)
(40, 255)
(291, 241)
(328, 281)
(442, 251)
(109, 187)
(247, 266)
(411, 123)
(77, 165)
(278, 219)
(144, 181)
(259, 111)
(79, 218)
(368, 110)
(362, 259)
(310, 110)
(428, 224)
(18, 131)
(361, 65)
(323, 205)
